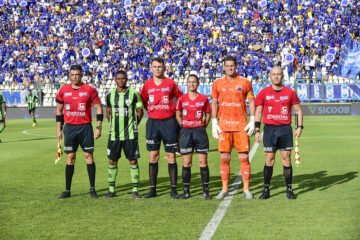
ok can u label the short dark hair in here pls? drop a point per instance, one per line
(195, 76)
(121, 72)
(229, 58)
(158, 59)
(76, 68)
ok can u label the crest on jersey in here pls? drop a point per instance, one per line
(198, 114)
(81, 107)
(67, 106)
(184, 112)
(284, 110)
(128, 102)
(151, 98)
(239, 89)
(165, 99)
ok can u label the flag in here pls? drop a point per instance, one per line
(349, 64)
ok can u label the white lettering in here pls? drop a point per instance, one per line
(278, 117)
(159, 107)
(231, 104)
(75, 114)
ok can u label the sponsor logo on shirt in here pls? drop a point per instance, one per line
(159, 107)
(284, 110)
(277, 117)
(192, 123)
(81, 107)
(67, 94)
(151, 98)
(231, 104)
(270, 97)
(198, 114)
(67, 106)
(75, 114)
(228, 122)
(165, 89)
(165, 99)
(81, 94)
(199, 104)
(282, 98)
(184, 112)
(151, 90)
(184, 104)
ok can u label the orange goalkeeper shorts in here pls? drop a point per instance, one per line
(228, 140)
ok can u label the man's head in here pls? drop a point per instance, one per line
(29, 91)
(230, 66)
(121, 79)
(158, 67)
(276, 76)
(76, 74)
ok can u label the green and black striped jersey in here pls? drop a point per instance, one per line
(2, 101)
(31, 100)
(123, 120)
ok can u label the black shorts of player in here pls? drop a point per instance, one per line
(75, 135)
(194, 138)
(31, 110)
(277, 137)
(165, 130)
(130, 147)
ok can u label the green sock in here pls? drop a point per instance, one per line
(33, 117)
(134, 171)
(2, 128)
(112, 173)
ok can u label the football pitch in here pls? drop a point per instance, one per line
(326, 183)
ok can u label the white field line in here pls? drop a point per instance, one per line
(211, 227)
(27, 132)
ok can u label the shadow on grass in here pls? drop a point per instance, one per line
(308, 182)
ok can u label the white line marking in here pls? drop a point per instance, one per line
(214, 223)
(26, 132)
(331, 137)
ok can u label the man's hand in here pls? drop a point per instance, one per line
(258, 137)
(250, 127)
(97, 133)
(215, 128)
(59, 133)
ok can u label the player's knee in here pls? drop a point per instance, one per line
(244, 158)
(89, 158)
(170, 157)
(154, 156)
(133, 162)
(286, 162)
(112, 162)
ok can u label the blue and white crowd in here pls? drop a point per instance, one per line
(40, 40)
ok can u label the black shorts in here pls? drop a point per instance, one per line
(194, 138)
(130, 147)
(78, 134)
(162, 130)
(31, 110)
(278, 138)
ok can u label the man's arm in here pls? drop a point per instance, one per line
(207, 119)
(59, 120)
(179, 117)
(99, 118)
(140, 114)
(298, 111)
(258, 115)
(108, 113)
(215, 128)
(214, 108)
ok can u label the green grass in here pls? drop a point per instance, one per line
(327, 185)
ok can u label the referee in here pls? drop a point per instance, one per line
(124, 111)
(73, 107)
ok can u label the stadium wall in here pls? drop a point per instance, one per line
(309, 109)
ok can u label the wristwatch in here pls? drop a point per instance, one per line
(99, 127)
(300, 126)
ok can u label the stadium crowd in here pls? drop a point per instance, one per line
(40, 40)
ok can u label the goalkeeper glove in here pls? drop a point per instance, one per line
(215, 128)
(250, 127)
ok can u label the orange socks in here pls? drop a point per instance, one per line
(245, 171)
(225, 172)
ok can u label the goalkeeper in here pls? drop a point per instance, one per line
(275, 104)
(2, 113)
(229, 124)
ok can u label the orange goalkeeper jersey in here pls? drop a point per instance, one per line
(231, 96)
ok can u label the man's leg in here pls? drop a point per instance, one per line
(245, 169)
(173, 174)
(69, 172)
(135, 178)
(225, 174)
(288, 173)
(112, 173)
(268, 172)
(153, 172)
(91, 169)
